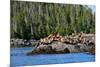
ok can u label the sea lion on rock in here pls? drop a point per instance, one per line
(52, 37)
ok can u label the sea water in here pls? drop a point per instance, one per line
(19, 58)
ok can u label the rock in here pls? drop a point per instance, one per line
(56, 43)
(66, 50)
(92, 50)
(83, 47)
(20, 42)
(55, 47)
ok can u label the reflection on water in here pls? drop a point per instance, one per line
(19, 58)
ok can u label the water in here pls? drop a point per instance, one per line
(19, 58)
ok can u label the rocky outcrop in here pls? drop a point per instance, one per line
(56, 43)
(55, 47)
(22, 42)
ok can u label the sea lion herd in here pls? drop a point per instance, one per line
(72, 39)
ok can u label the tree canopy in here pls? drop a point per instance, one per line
(37, 19)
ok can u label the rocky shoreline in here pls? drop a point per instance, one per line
(55, 44)
(15, 42)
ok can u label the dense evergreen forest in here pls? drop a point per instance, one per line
(37, 19)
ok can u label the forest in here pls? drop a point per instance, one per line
(38, 20)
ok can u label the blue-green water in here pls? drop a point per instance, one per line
(19, 58)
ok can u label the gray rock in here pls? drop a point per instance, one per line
(55, 47)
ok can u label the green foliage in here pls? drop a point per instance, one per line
(37, 20)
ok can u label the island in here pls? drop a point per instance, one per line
(55, 44)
